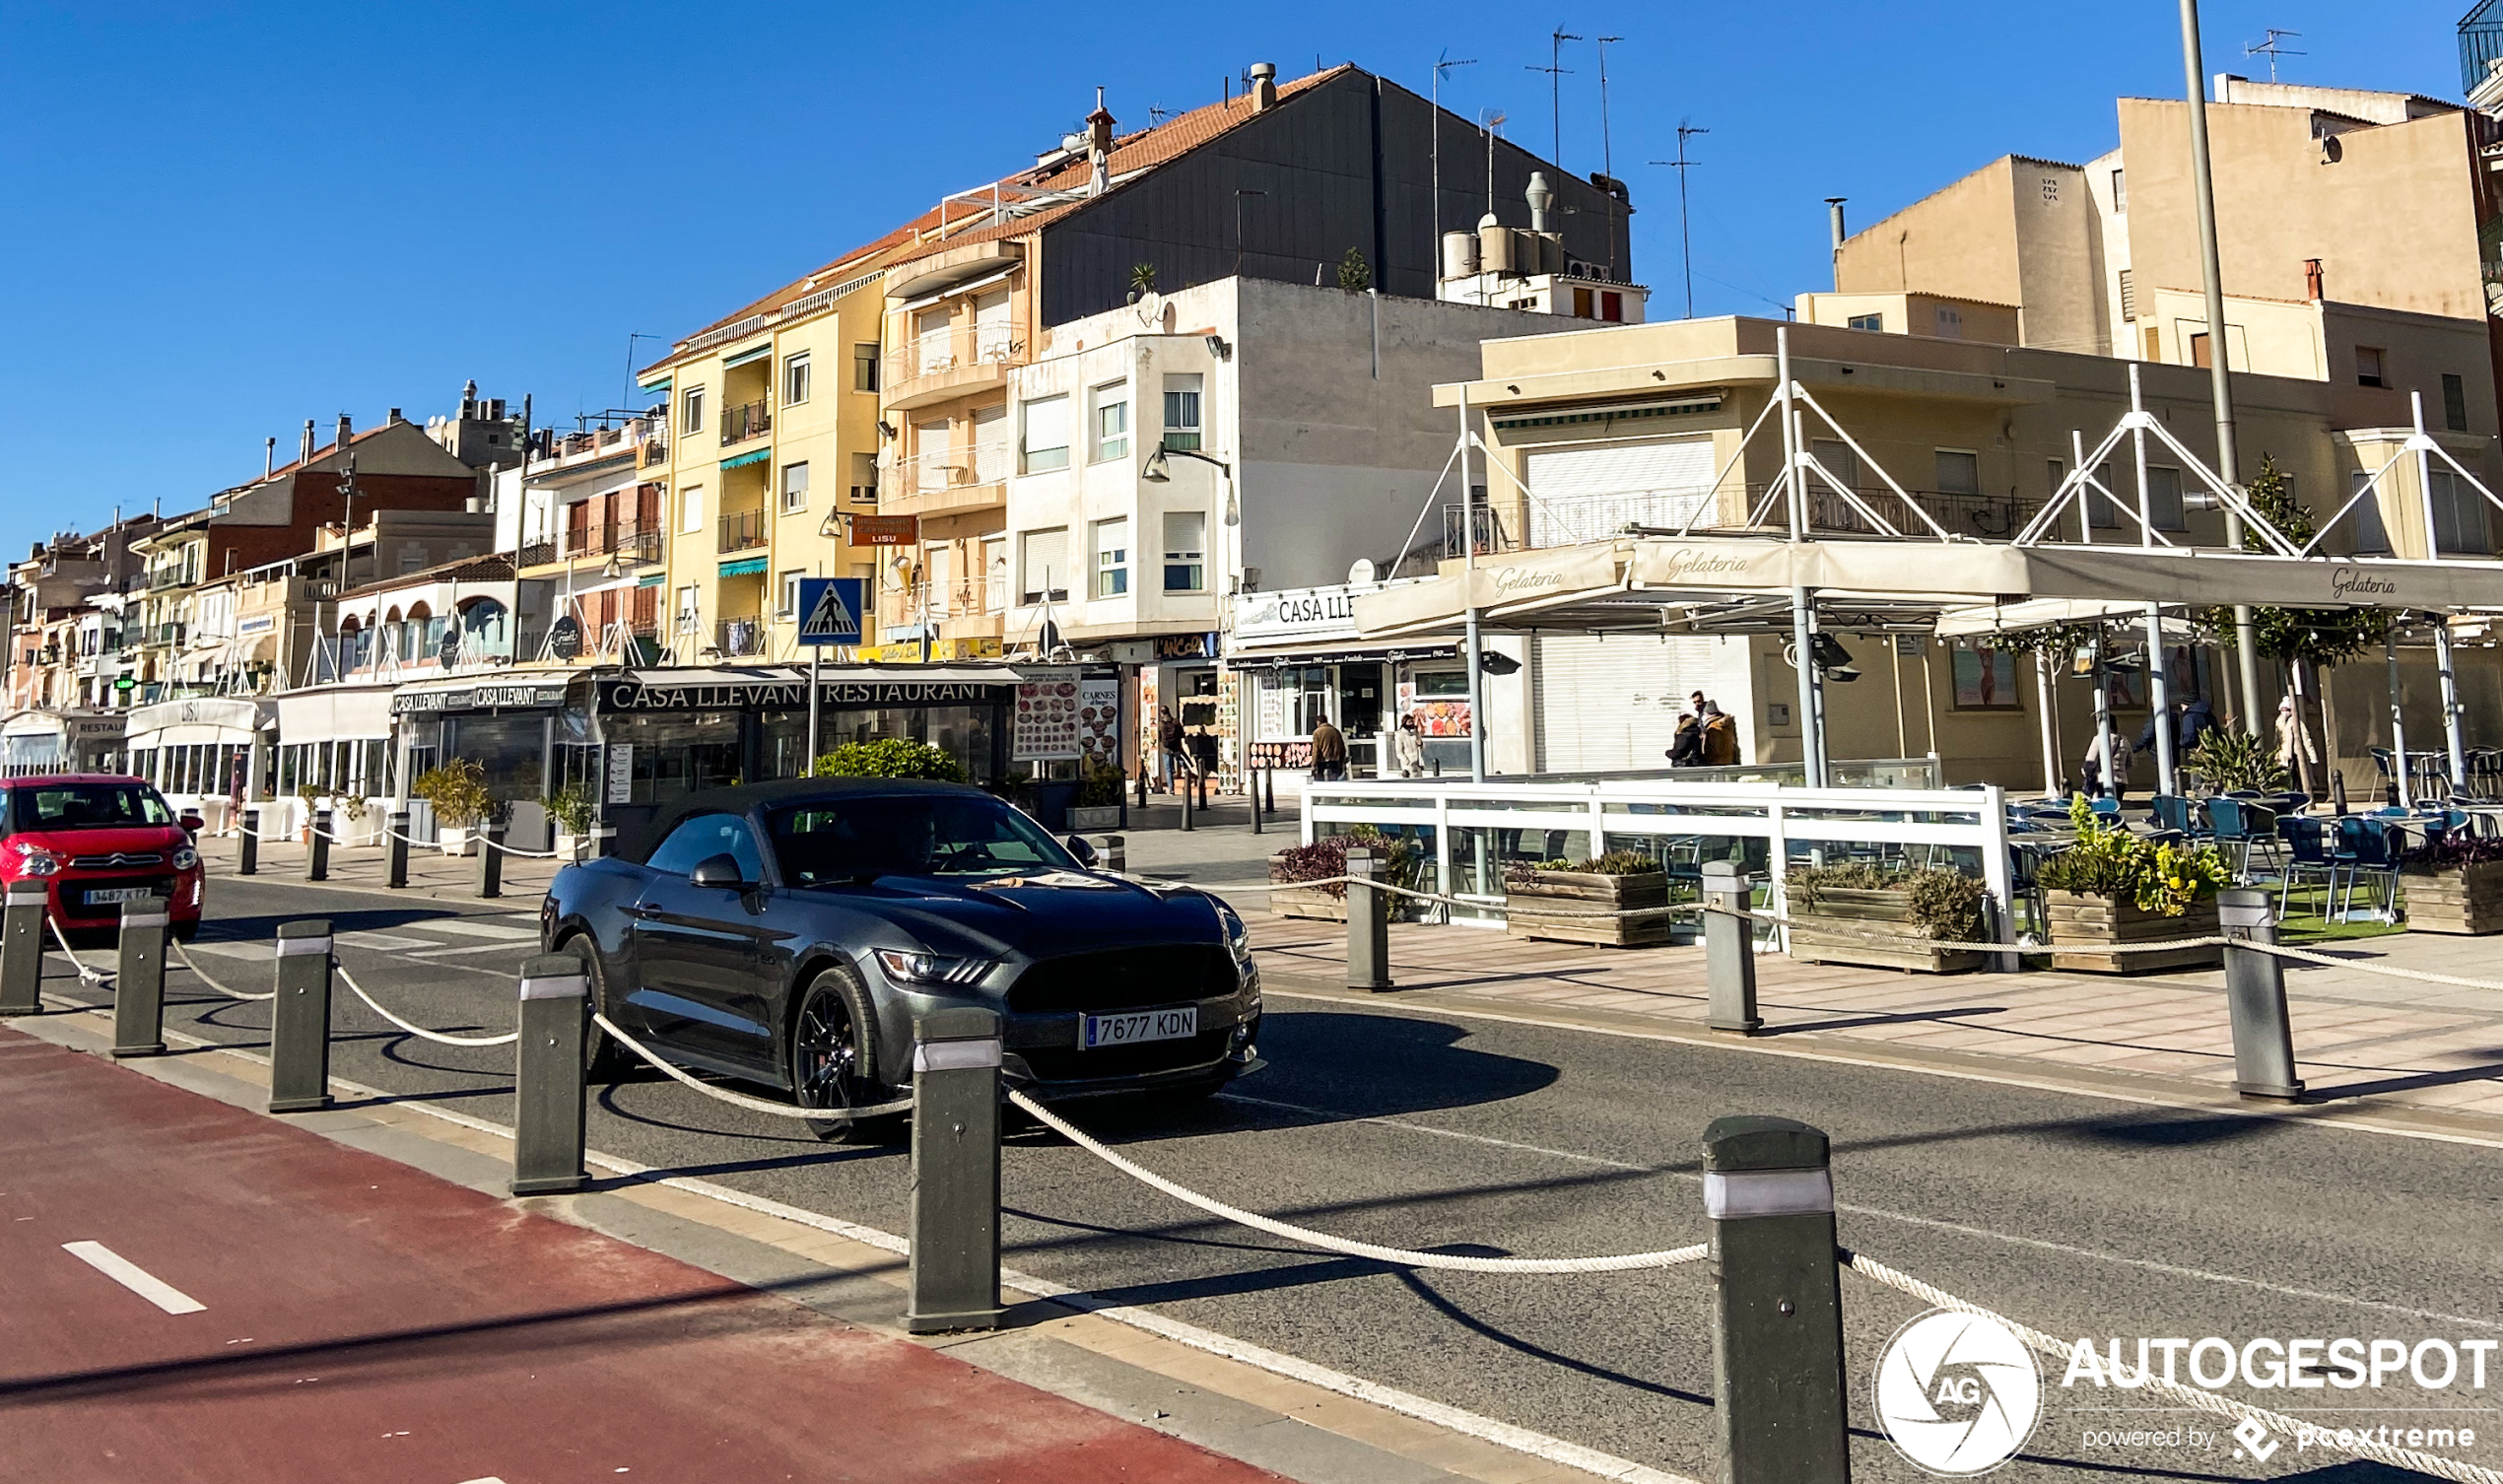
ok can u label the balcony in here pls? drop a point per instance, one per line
(946, 480)
(961, 360)
(166, 576)
(538, 553)
(739, 637)
(1986, 517)
(741, 531)
(746, 421)
(633, 544)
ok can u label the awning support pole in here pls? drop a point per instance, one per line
(2104, 783)
(1468, 566)
(2397, 721)
(2050, 733)
(2450, 702)
(2159, 696)
(1803, 600)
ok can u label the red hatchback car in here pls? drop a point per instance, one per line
(99, 841)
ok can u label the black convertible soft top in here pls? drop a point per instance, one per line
(747, 797)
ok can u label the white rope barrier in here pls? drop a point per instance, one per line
(420, 1032)
(1394, 1256)
(184, 954)
(742, 1099)
(2190, 1396)
(86, 975)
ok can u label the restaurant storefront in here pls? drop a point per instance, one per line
(528, 731)
(203, 753)
(83, 741)
(1300, 663)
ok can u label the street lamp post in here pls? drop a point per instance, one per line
(1158, 471)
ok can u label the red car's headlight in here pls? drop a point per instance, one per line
(34, 861)
(185, 858)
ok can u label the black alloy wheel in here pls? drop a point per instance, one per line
(603, 1059)
(835, 1057)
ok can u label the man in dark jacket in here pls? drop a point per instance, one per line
(2197, 721)
(1687, 748)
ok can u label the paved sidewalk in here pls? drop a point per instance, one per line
(344, 1317)
(2360, 1038)
(432, 873)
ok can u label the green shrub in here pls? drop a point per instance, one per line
(1327, 858)
(572, 810)
(1945, 905)
(2229, 761)
(2110, 861)
(1613, 863)
(887, 758)
(458, 791)
(1099, 784)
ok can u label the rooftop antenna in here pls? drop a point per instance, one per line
(1685, 232)
(631, 340)
(1443, 66)
(1556, 74)
(1489, 127)
(2271, 48)
(1607, 153)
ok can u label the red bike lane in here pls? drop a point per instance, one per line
(192, 1291)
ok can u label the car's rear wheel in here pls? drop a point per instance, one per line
(603, 1059)
(835, 1057)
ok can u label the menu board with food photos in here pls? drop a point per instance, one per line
(1047, 724)
(1100, 719)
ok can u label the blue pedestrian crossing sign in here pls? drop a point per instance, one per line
(830, 610)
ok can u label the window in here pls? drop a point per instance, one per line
(795, 378)
(2129, 291)
(1868, 322)
(1950, 322)
(864, 479)
(2369, 370)
(1047, 443)
(2372, 538)
(1582, 303)
(790, 605)
(795, 488)
(2119, 192)
(1112, 558)
(865, 367)
(1182, 411)
(691, 511)
(2164, 498)
(2199, 350)
(1186, 538)
(2454, 403)
(1111, 421)
(701, 839)
(994, 574)
(1959, 472)
(1045, 567)
(2459, 516)
(691, 411)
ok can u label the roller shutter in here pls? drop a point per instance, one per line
(1614, 702)
(1589, 492)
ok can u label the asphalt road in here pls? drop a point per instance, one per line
(2077, 1215)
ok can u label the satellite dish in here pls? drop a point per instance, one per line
(1360, 569)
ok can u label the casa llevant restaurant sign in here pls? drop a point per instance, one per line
(483, 697)
(792, 695)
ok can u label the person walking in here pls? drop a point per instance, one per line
(1686, 746)
(1721, 737)
(1170, 747)
(1329, 753)
(2295, 752)
(2197, 721)
(2095, 770)
(1407, 748)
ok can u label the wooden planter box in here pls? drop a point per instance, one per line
(2461, 898)
(2093, 935)
(1839, 929)
(1311, 902)
(1580, 906)
(1095, 817)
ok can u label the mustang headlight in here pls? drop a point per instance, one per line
(1238, 936)
(911, 967)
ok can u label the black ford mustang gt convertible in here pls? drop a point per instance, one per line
(790, 934)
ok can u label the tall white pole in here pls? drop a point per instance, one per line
(1803, 601)
(1468, 568)
(2397, 720)
(2452, 741)
(2050, 733)
(2159, 698)
(816, 660)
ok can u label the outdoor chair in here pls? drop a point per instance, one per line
(2172, 811)
(2366, 845)
(2239, 827)
(2307, 855)
(2109, 809)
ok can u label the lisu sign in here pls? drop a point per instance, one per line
(886, 530)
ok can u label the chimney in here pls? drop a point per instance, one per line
(1099, 148)
(346, 431)
(395, 417)
(2312, 280)
(1263, 79)
(1541, 195)
(269, 457)
(469, 399)
(306, 456)
(1834, 219)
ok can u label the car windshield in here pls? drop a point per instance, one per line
(85, 806)
(908, 835)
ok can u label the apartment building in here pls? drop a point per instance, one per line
(2357, 231)
(768, 461)
(587, 518)
(1287, 184)
(1598, 430)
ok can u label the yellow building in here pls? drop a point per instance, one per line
(772, 455)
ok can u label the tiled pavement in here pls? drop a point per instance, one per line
(2361, 1040)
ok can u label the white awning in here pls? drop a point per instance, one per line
(210, 720)
(335, 713)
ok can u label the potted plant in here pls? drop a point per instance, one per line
(1325, 858)
(309, 796)
(2231, 761)
(2112, 889)
(1099, 802)
(458, 790)
(1586, 900)
(889, 758)
(2455, 884)
(348, 812)
(1855, 914)
(573, 815)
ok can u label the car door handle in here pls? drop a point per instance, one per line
(639, 911)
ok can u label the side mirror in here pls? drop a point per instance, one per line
(190, 821)
(722, 871)
(1081, 850)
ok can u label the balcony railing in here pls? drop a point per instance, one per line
(962, 344)
(1989, 518)
(1494, 532)
(742, 530)
(164, 578)
(746, 421)
(538, 553)
(172, 634)
(943, 469)
(925, 602)
(634, 543)
(738, 638)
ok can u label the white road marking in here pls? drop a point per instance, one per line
(383, 942)
(473, 927)
(506, 946)
(257, 952)
(132, 1276)
(1882, 1214)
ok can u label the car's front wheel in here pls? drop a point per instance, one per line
(603, 1059)
(835, 1057)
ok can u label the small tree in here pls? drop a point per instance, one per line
(889, 758)
(1354, 274)
(1142, 280)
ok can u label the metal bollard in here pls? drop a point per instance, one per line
(249, 844)
(491, 860)
(1729, 950)
(1113, 854)
(1142, 782)
(396, 850)
(139, 978)
(1269, 790)
(1252, 791)
(300, 1018)
(2256, 993)
(1182, 785)
(1124, 794)
(955, 1172)
(1368, 925)
(21, 948)
(317, 849)
(547, 1076)
(1777, 1334)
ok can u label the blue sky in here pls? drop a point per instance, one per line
(233, 217)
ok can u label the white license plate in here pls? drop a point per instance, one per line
(103, 895)
(1134, 1026)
